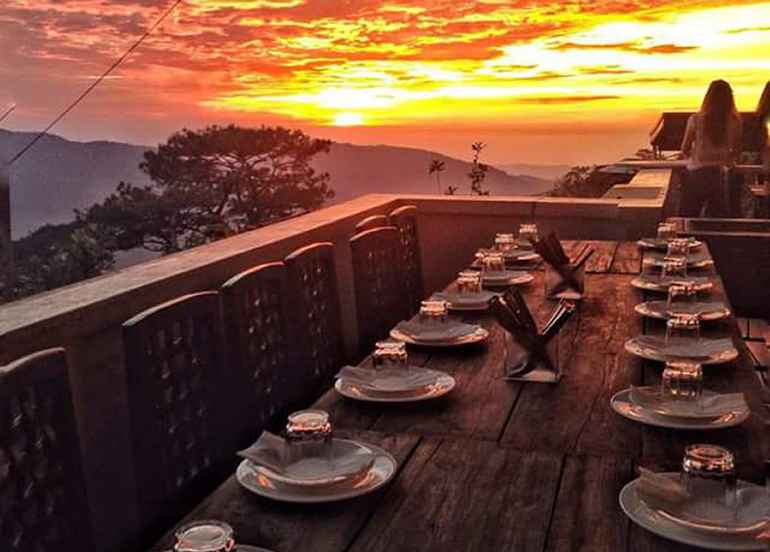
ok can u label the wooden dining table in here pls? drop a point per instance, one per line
(498, 465)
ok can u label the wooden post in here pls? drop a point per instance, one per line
(7, 269)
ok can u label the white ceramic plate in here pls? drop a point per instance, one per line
(641, 514)
(516, 256)
(444, 384)
(694, 260)
(621, 403)
(708, 311)
(476, 337)
(506, 278)
(475, 302)
(705, 351)
(661, 285)
(315, 473)
(381, 472)
(655, 243)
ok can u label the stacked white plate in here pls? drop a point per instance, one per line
(713, 411)
(706, 310)
(450, 334)
(413, 384)
(689, 526)
(466, 301)
(661, 284)
(354, 469)
(662, 245)
(503, 278)
(703, 351)
(516, 255)
(694, 260)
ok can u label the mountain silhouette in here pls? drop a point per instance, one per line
(59, 175)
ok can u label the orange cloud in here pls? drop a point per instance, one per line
(393, 63)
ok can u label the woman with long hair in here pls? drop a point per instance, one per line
(712, 142)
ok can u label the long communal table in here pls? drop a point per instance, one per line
(510, 466)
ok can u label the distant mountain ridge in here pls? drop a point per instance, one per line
(60, 175)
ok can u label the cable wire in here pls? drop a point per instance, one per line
(97, 82)
(7, 112)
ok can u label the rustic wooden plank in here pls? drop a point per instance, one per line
(743, 326)
(758, 329)
(478, 407)
(628, 259)
(575, 415)
(603, 257)
(358, 415)
(760, 354)
(466, 495)
(587, 515)
(607, 315)
(285, 527)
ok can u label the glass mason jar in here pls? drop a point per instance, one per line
(708, 474)
(204, 536)
(505, 243)
(678, 248)
(492, 262)
(468, 283)
(682, 329)
(528, 234)
(390, 355)
(674, 268)
(682, 380)
(308, 435)
(666, 231)
(681, 298)
(434, 312)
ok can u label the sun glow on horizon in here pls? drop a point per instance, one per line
(489, 66)
(348, 119)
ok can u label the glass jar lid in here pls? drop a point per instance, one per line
(204, 536)
(708, 459)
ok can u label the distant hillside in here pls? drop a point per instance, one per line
(58, 175)
(357, 170)
(547, 172)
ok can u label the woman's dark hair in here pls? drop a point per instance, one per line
(763, 107)
(717, 109)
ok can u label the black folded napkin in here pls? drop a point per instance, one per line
(552, 252)
(511, 311)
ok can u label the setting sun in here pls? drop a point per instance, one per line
(348, 119)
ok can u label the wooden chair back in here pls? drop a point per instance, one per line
(178, 401)
(256, 318)
(377, 274)
(372, 222)
(405, 219)
(43, 504)
(315, 322)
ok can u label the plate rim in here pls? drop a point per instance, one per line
(479, 336)
(674, 425)
(734, 354)
(338, 387)
(639, 308)
(382, 456)
(638, 283)
(645, 243)
(624, 500)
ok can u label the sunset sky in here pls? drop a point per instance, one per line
(540, 82)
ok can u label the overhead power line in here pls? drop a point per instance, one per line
(97, 82)
(7, 112)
